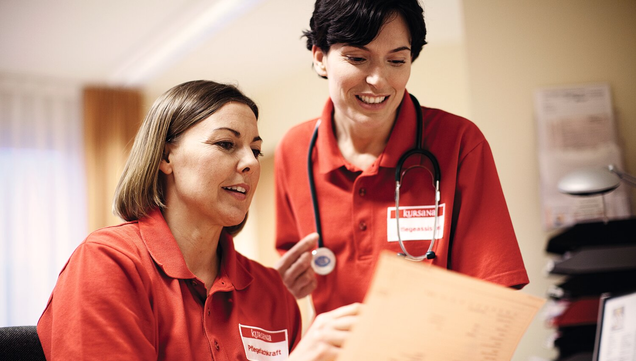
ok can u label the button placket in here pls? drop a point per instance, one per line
(362, 225)
(362, 215)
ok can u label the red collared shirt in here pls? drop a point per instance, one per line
(355, 204)
(127, 294)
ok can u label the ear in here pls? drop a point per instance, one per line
(319, 58)
(165, 166)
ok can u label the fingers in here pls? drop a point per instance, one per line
(300, 278)
(335, 331)
(340, 321)
(328, 333)
(348, 310)
(304, 284)
(303, 246)
(295, 267)
(341, 318)
(334, 339)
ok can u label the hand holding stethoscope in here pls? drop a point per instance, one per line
(295, 268)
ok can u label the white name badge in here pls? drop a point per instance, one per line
(416, 223)
(264, 345)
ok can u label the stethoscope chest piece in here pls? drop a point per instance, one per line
(323, 261)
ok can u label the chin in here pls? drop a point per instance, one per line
(235, 229)
(235, 219)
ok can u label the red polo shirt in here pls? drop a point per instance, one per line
(355, 204)
(127, 294)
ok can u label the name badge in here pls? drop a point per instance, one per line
(416, 223)
(264, 345)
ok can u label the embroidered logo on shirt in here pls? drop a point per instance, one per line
(262, 345)
(416, 223)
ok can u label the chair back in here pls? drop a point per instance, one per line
(20, 343)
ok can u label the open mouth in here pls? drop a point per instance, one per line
(236, 189)
(371, 100)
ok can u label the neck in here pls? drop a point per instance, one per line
(362, 143)
(198, 242)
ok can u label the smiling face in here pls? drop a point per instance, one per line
(212, 169)
(367, 83)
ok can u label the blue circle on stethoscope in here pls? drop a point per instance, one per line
(323, 261)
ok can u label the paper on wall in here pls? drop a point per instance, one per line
(576, 129)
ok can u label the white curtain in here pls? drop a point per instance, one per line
(42, 191)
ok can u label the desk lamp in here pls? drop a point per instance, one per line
(594, 181)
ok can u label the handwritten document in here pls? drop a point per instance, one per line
(417, 312)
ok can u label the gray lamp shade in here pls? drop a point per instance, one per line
(590, 181)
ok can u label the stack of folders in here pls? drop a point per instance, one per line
(595, 258)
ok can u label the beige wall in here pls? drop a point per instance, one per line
(514, 47)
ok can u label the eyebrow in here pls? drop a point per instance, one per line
(396, 50)
(238, 134)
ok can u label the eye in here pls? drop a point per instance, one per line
(225, 145)
(355, 59)
(397, 62)
(257, 152)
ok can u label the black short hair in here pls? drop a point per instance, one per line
(358, 22)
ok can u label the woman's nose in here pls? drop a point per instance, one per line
(376, 76)
(248, 161)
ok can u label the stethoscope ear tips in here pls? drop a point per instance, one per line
(430, 255)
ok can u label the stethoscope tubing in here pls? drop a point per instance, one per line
(419, 149)
(312, 185)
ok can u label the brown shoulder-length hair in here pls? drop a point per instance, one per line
(140, 188)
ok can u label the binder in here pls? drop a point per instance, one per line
(579, 356)
(616, 328)
(597, 259)
(614, 232)
(575, 339)
(594, 284)
(578, 312)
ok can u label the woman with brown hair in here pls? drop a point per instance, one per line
(168, 284)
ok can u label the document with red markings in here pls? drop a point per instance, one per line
(418, 312)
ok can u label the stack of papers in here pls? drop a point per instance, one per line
(415, 311)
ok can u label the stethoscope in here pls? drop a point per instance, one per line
(323, 259)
